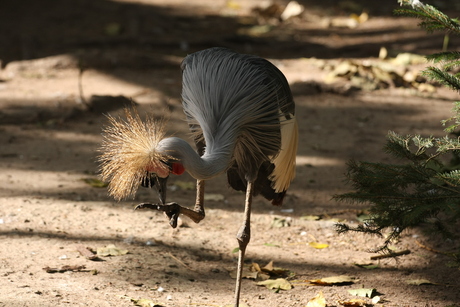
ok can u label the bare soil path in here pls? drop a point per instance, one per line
(49, 147)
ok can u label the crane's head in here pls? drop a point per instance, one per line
(129, 156)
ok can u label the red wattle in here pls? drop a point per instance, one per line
(177, 169)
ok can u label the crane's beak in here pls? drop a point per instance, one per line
(158, 183)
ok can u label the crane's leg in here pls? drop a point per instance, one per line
(173, 210)
(243, 237)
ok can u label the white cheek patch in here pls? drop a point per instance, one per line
(159, 171)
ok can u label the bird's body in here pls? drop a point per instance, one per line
(237, 106)
(241, 111)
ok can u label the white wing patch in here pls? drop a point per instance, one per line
(284, 171)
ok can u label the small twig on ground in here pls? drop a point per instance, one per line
(391, 255)
(180, 262)
(65, 268)
(430, 249)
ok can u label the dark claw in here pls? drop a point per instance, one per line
(147, 206)
(173, 220)
(172, 210)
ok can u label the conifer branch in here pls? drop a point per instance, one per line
(424, 189)
(432, 18)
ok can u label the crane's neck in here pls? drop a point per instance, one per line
(211, 164)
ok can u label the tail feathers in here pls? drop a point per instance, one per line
(284, 171)
(278, 200)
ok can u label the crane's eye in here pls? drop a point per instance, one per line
(168, 164)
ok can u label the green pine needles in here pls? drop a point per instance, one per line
(425, 188)
(422, 191)
(431, 18)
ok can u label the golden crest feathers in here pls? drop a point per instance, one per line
(128, 149)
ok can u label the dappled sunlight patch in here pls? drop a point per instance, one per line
(39, 181)
(318, 161)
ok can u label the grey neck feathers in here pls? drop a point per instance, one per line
(211, 164)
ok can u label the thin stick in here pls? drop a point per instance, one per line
(430, 249)
(391, 255)
(180, 262)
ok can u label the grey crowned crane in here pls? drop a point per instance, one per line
(241, 111)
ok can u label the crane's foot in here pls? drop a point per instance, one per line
(172, 211)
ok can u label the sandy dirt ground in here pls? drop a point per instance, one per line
(49, 143)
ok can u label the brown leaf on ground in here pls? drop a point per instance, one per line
(333, 280)
(353, 303)
(87, 253)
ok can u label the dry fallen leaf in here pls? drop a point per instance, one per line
(353, 303)
(277, 284)
(87, 253)
(406, 58)
(249, 271)
(276, 271)
(292, 9)
(269, 266)
(372, 75)
(111, 250)
(363, 17)
(317, 301)
(318, 245)
(142, 302)
(279, 222)
(333, 280)
(256, 266)
(342, 22)
(255, 271)
(362, 292)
